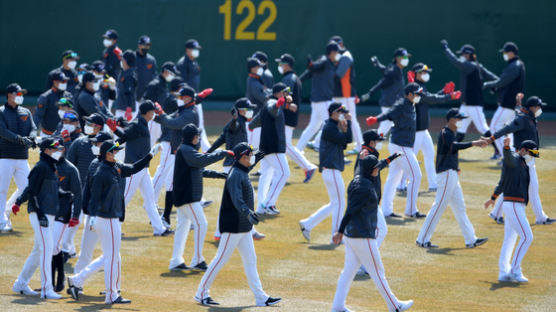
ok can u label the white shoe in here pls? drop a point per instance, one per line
(404, 305)
(504, 277)
(260, 209)
(306, 233)
(50, 294)
(518, 277)
(24, 290)
(6, 227)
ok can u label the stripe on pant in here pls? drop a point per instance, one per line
(215, 265)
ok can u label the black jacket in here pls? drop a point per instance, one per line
(234, 132)
(405, 122)
(322, 72)
(510, 83)
(175, 123)
(157, 90)
(237, 201)
(273, 128)
(87, 180)
(111, 57)
(189, 172)
(88, 103)
(15, 123)
(291, 80)
(125, 90)
(43, 189)
(391, 86)
(514, 181)
(382, 163)
(256, 91)
(69, 181)
(146, 71)
(46, 114)
(422, 108)
(190, 72)
(447, 150)
(170, 105)
(137, 138)
(524, 127)
(333, 142)
(81, 155)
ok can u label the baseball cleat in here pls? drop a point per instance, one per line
(6, 227)
(306, 233)
(258, 235)
(271, 210)
(166, 232)
(165, 222)
(505, 277)
(309, 174)
(518, 277)
(50, 294)
(404, 305)
(312, 146)
(206, 203)
(393, 215)
(417, 215)
(120, 300)
(362, 272)
(546, 221)
(24, 290)
(426, 245)
(180, 267)
(270, 301)
(208, 301)
(478, 242)
(499, 220)
(201, 266)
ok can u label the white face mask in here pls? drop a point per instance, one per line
(341, 117)
(68, 127)
(416, 99)
(528, 158)
(170, 77)
(18, 100)
(459, 123)
(462, 58)
(180, 103)
(95, 149)
(61, 113)
(249, 114)
(56, 155)
(280, 70)
(195, 53)
(337, 57)
(88, 129)
(96, 86)
(98, 76)
(425, 77)
(62, 86)
(121, 64)
(106, 43)
(538, 113)
(72, 64)
(404, 62)
(252, 160)
(80, 78)
(260, 71)
(505, 57)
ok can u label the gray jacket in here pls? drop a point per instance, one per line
(256, 91)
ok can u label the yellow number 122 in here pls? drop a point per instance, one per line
(249, 7)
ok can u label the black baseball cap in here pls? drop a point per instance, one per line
(242, 149)
(286, 59)
(371, 135)
(146, 107)
(336, 107)
(144, 40)
(65, 102)
(176, 84)
(367, 164)
(192, 44)
(129, 57)
(189, 132)
(102, 136)
(412, 88)
(109, 146)
(455, 113)
(70, 54)
(509, 47)
(279, 87)
(534, 101)
(169, 66)
(88, 76)
(244, 103)
(95, 118)
(110, 34)
(401, 52)
(253, 62)
(337, 39)
(420, 67)
(59, 76)
(187, 91)
(50, 142)
(261, 56)
(531, 147)
(466, 49)
(97, 66)
(14, 87)
(332, 46)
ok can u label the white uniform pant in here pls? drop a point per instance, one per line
(84, 274)
(515, 225)
(89, 240)
(41, 254)
(501, 117)
(244, 244)
(319, 114)
(295, 154)
(349, 103)
(274, 174)
(19, 170)
(165, 171)
(58, 231)
(449, 193)
(534, 197)
(408, 165)
(476, 115)
(254, 137)
(187, 214)
(110, 233)
(381, 228)
(142, 180)
(384, 127)
(205, 144)
(336, 190)
(69, 234)
(362, 251)
(155, 130)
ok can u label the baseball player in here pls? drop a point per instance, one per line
(257, 93)
(322, 73)
(112, 54)
(514, 184)
(344, 91)
(17, 134)
(188, 191)
(524, 127)
(507, 86)
(472, 76)
(266, 77)
(359, 226)
(237, 219)
(47, 115)
(403, 115)
(43, 206)
(69, 64)
(88, 101)
(391, 86)
(336, 135)
(146, 66)
(290, 79)
(126, 87)
(274, 166)
(449, 189)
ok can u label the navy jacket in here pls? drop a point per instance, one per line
(524, 127)
(391, 86)
(234, 132)
(176, 122)
(422, 108)
(15, 123)
(291, 80)
(267, 78)
(514, 181)
(87, 180)
(405, 125)
(89, 103)
(344, 82)
(69, 181)
(157, 90)
(46, 114)
(43, 187)
(137, 138)
(510, 83)
(81, 155)
(190, 72)
(382, 163)
(111, 57)
(170, 105)
(322, 72)
(273, 128)
(146, 71)
(256, 91)
(237, 201)
(360, 218)
(447, 150)
(125, 90)
(333, 142)
(70, 73)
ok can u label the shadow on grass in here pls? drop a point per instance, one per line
(443, 251)
(12, 233)
(264, 217)
(499, 285)
(494, 167)
(399, 221)
(362, 277)
(135, 238)
(25, 300)
(181, 273)
(229, 309)
(324, 247)
(474, 160)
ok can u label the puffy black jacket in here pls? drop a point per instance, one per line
(88, 103)
(43, 188)
(15, 123)
(322, 72)
(514, 181)
(391, 86)
(510, 83)
(524, 127)
(422, 108)
(333, 142)
(46, 114)
(382, 163)
(237, 201)
(234, 132)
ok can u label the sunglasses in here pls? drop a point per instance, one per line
(115, 146)
(247, 152)
(71, 55)
(65, 101)
(70, 115)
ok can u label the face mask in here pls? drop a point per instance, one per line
(252, 160)
(170, 77)
(107, 43)
(505, 57)
(88, 129)
(341, 117)
(68, 127)
(195, 53)
(462, 58)
(425, 77)
(404, 62)
(280, 70)
(337, 57)
(95, 149)
(19, 100)
(459, 123)
(98, 76)
(180, 103)
(249, 114)
(528, 158)
(62, 86)
(96, 86)
(121, 64)
(61, 113)
(260, 71)
(537, 113)
(416, 99)
(72, 64)
(80, 78)
(56, 155)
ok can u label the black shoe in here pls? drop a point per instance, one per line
(255, 174)
(66, 256)
(547, 221)
(121, 300)
(270, 301)
(347, 161)
(181, 267)
(206, 203)
(393, 215)
(201, 266)
(418, 215)
(208, 301)
(478, 242)
(73, 292)
(165, 233)
(273, 210)
(426, 245)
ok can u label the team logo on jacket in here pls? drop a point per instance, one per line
(149, 66)
(105, 55)
(122, 79)
(100, 103)
(61, 178)
(24, 117)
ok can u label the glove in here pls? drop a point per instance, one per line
(357, 99)
(374, 60)
(43, 221)
(258, 156)
(158, 109)
(203, 94)
(230, 153)
(128, 114)
(15, 209)
(281, 101)
(455, 95)
(92, 221)
(253, 218)
(371, 120)
(410, 76)
(73, 222)
(449, 87)
(155, 149)
(111, 123)
(444, 44)
(25, 141)
(365, 97)
(393, 156)
(309, 61)
(65, 135)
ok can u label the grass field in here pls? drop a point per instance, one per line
(451, 278)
